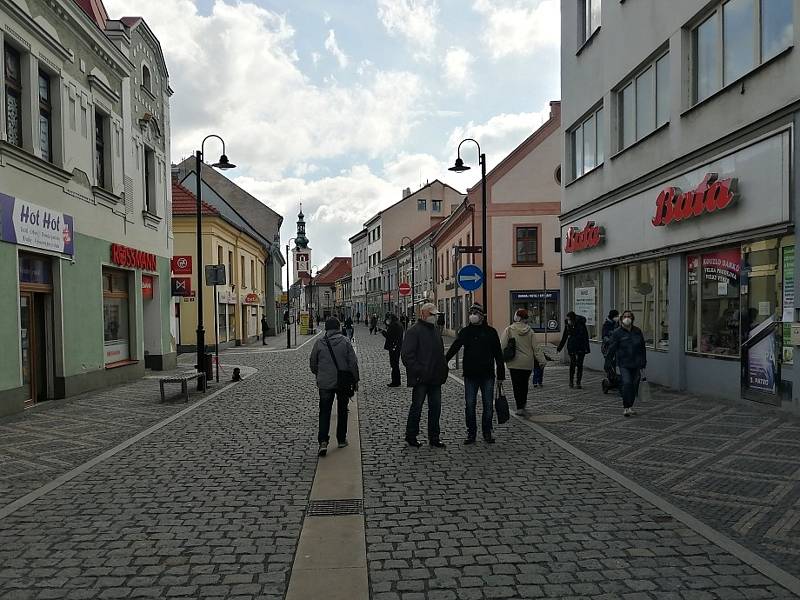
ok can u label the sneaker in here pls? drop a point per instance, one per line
(626, 412)
(631, 412)
(469, 441)
(343, 444)
(323, 449)
(413, 442)
(437, 444)
(489, 439)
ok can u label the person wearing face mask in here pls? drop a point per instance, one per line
(426, 371)
(482, 353)
(394, 342)
(576, 339)
(628, 348)
(610, 325)
(524, 360)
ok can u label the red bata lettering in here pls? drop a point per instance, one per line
(590, 237)
(712, 194)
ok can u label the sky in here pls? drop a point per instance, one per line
(341, 104)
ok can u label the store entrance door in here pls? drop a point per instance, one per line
(34, 333)
(760, 325)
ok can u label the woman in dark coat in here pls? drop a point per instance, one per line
(576, 339)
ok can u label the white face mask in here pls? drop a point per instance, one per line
(431, 319)
(386, 322)
(627, 321)
(474, 319)
(517, 319)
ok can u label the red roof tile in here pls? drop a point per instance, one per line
(184, 202)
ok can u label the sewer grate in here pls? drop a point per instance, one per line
(335, 508)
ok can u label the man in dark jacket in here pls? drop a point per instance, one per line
(324, 366)
(264, 330)
(628, 347)
(576, 339)
(482, 354)
(426, 372)
(373, 324)
(394, 343)
(609, 327)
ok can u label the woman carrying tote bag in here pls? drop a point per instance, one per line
(519, 361)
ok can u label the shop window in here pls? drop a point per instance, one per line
(116, 331)
(45, 118)
(13, 87)
(713, 303)
(543, 306)
(585, 297)
(35, 269)
(222, 322)
(643, 289)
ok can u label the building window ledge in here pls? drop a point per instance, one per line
(527, 264)
(640, 140)
(148, 93)
(151, 220)
(586, 174)
(106, 197)
(30, 160)
(588, 41)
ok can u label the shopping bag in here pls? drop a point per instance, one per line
(645, 394)
(501, 405)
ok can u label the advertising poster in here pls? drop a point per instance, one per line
(788, 303)
(762, 366)
(586, 304)
(304, 323)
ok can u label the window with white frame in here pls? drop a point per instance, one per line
(734, 38)
(643, 102)
(587, 144)
(589, 15)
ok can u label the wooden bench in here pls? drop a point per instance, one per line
(184, 380)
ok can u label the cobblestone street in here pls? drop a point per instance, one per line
(212, 504)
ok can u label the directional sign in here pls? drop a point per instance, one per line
(405, 289)
(468, 249)
(470, 277)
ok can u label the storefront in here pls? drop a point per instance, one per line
(226, 316)
(251, 325)
(543, 308)
(705, 260)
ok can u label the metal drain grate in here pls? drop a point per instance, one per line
(334, 508)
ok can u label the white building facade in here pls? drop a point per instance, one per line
(358, 252)
(679, 198)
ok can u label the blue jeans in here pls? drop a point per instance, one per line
(630, 385)
(471, 387)
(418, 395)
(538, 375)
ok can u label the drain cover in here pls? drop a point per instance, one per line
(334, 508)
(550, 418)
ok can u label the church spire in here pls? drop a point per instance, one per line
(301, 241)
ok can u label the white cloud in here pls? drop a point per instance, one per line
(519, 28)
(458, 68)
(333, 47)
(413, 19)
(315, 57)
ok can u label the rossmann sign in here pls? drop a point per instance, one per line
(577, 240)
(131, 257)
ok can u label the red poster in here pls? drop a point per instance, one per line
(147, 287)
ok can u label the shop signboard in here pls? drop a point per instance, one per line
(304, 322)
(226, 297)
(788, 303)
(251, 299)
(587, 238)
(147, 287)
(181, 265)
(29, 224)
(125, 256)
(713, 194)
(181, 286)
(586, 304)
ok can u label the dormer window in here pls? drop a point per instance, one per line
(146, 79)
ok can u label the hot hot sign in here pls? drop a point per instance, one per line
(590, 236)
(711, 195)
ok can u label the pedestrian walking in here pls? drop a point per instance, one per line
(609, 365)
(358, 317)
(426, 372)
(482, 354)
(519, 336)
(348, 328)
(440, 323)
(576, 339)
(394, 344)
(404, 322)
(264, 330)
(628, 348)
(373, 324)
(332, 358)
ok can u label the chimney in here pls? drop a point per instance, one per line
(406, 192)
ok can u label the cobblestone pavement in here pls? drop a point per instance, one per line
(736, 466)
(520, 519)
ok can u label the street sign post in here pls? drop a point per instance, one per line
(468, 249)
(405, 289)
(470, 277)
(215, 274)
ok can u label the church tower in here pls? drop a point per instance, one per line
(301, 250)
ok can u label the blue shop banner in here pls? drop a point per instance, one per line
(32, 225)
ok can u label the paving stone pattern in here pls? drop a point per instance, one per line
(210, 506)
(734, 465)
(520, 519)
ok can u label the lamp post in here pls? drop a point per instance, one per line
(460, 167)
(313, 311)
(413, 286)
(288, 296)
(222, 164)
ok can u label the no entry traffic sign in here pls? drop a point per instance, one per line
(405, 289)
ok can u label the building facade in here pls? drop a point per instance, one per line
(85, 203)
(680, 197)
(360, 261)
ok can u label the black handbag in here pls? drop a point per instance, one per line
(345, 380)
(501, 405)
(510, 351)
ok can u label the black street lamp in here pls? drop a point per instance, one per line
(223, 164)
(288, 296)
(460, 167)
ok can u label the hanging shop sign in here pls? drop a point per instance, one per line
(181, 265)
(226, 297)
(251, 299)
(32, 225)
(711, 195)
(181, 286)
(125, 256)
(147, 287)
(589, 237)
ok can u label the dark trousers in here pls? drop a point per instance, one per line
(519, 382)
(486, 387)
(264, 338)
(394, 362)
(418, 394)
(538, 375)
(325, 407)
(576, 367)
(630, 385)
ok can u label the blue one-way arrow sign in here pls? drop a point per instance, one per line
(470, 277)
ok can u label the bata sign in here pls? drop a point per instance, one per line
(711, 195)
(590, 237)
(130, 257)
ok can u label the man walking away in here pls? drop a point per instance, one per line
(576, 339)
(373, 324)
(482, 353)
(264, 330)
(348, 328)
(404, 322)
(394, 344)
(628, 348)
(522, 364)
(332, 353)
(426, 372)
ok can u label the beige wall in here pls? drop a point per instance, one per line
(446, 271)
